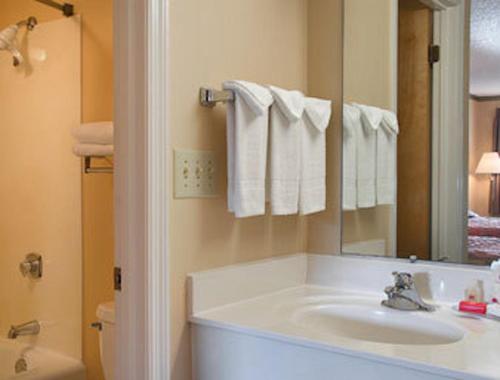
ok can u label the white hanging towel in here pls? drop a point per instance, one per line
(312, 192)
(387, 159)
(285, 128)
(351, 126)
(371, 118)
(99, 133)
(247, 130)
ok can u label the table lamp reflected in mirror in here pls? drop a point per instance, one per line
(490, 164)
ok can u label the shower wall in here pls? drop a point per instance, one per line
(97, 190)
(40, 185)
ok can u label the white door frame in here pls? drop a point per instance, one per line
(450, 135)
(142, 172)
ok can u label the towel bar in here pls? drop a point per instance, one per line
(89, 169)
(209, 97)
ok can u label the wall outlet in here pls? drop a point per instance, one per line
(195, 174)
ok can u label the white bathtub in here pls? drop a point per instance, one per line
(23, 362)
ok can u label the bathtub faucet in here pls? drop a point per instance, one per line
(28, 328)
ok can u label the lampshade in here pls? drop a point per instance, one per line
(489, 164)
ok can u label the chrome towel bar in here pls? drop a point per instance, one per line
(209, 97)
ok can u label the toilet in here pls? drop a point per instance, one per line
(106, 316)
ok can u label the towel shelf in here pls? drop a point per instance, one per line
(89, 169)
(209, 97)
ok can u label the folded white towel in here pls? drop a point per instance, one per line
(247, 135)
(351, 126)
(100, 133)
(316, 119)
(92, 150)
(387, 159)
(285, 128)
(371, 118)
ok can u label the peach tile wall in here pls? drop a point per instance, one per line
(40, 191)
(97, 190)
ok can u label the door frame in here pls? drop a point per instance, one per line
(450, 134)
(142, 172)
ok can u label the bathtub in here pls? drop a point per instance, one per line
(24, 362)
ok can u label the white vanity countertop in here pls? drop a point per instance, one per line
(476, 356)
(266, 299)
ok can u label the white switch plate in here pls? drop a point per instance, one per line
(195, 174)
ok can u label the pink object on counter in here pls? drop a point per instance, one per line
(473, 307)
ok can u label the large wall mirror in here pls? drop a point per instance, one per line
(421, 123)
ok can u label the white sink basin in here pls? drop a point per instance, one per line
(366, 320)
(317, 316)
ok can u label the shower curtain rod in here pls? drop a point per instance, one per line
(67, 9)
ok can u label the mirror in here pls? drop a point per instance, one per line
(419, 177)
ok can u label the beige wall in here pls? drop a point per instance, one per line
(370, 77)
(258, 40)
(370, 52)
(40, 188)
(482, 117)
(97, 190)
(325, 80)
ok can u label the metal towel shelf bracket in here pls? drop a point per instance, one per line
(209, 97)
(89, 169)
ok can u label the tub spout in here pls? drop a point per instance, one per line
(29, 328)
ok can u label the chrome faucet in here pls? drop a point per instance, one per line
(29, 328)
(404, 295)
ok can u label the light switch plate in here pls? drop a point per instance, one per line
(195, 174)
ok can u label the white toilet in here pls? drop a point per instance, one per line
(106, 315)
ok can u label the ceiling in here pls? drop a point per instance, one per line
(485, 48)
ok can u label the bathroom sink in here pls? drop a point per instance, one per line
(367, 320)
(327, 318)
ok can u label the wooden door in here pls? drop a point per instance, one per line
(415, 117)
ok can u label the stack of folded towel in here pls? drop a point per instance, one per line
(369, 157)
(290, 129)
(93, 139)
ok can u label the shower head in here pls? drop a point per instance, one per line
(8, 41)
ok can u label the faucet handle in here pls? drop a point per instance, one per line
(31, 266)
(403, 280)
